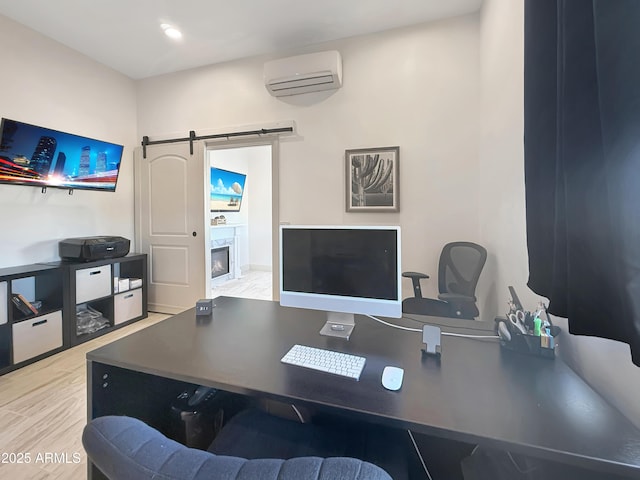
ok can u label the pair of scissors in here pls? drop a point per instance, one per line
(517, 320)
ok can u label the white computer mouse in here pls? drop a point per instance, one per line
(392, 377)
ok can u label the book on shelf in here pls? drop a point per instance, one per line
(23, 304)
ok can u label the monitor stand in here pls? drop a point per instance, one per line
(339, 325)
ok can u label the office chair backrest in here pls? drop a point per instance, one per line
(460, 266)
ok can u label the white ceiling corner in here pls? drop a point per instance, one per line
(126, 35)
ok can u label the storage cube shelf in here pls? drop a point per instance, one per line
(75, 302)
(92, 289)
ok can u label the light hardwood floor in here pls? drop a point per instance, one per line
(253, 284)
(43, 410)
(43, 406)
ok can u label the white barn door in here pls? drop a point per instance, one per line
(170, 201)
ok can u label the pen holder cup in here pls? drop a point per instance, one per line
(538, 345)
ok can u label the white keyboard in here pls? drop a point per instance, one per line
(338, 363)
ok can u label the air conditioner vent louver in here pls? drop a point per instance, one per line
(303, 74)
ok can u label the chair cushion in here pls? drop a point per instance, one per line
(427, 306)
(124, 448)
(254, 434)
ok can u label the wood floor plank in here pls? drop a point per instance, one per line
(254, 284)
(21, 471)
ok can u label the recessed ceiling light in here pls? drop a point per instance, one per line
(171, 31)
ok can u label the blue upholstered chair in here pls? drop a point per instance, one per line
(124, 448)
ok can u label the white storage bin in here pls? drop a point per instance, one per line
(123, 285)
(36, 336)
(92, 283)
(127, 305)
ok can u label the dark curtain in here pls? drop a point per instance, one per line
(582, 163)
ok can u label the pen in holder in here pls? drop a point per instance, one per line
(526, 332)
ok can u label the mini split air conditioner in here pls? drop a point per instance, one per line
(313, 72)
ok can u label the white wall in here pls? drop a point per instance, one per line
(260, 218)
(415, 87)
(501, 154)
(47, 84)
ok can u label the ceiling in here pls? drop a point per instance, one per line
(126, 35)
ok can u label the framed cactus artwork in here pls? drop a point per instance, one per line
(372, 179)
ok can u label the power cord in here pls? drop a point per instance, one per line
(415, 446)
(447, 334)
(395, 326)
(465, 327)
(468, 336)
(523, 471)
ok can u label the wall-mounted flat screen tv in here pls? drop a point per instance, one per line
(31, 155)
(227, 189)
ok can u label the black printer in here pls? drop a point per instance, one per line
(87, 249)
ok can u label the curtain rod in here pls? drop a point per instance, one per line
(192, 137)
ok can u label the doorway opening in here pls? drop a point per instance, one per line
(241, 204)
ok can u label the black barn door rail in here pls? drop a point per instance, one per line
(192, 137)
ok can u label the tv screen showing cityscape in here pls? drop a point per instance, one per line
(227, 189)
(38, 156)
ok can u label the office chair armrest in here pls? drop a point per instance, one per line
(454, 298)
(412, 275)
(415, 281)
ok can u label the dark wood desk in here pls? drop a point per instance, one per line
(476, 392)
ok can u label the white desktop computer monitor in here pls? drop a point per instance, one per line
(343, 270)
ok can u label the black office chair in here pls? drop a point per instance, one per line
(458, 272)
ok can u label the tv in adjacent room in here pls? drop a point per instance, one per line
(343, 270)
(42, 157)
(227, 189)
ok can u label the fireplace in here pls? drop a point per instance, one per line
(219, 261)
(226, 236)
